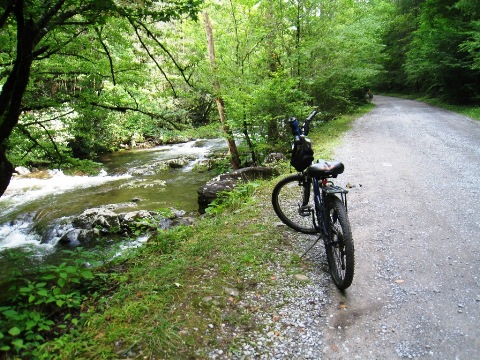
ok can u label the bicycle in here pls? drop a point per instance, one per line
(325, 214)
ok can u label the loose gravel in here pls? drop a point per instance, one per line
(291, 314)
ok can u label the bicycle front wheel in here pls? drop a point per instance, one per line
(291, 200)
(339, 245)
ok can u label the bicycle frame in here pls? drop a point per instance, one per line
(322, 188)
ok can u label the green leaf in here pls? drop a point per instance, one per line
(14, 331)
(18, 343)
(43, 293)
(49, 277)
(87, 274)
(30, 324)
(11, 314)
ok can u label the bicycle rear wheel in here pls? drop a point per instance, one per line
(292, 202)
(339, 246)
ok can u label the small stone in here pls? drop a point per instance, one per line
(301, 277)
(231, 292)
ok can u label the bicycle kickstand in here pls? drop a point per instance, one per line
(311, 246)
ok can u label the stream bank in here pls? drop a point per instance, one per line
(38, 208)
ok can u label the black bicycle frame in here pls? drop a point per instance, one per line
(320, 209)
(319, 213)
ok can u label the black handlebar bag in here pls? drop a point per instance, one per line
(302, 154)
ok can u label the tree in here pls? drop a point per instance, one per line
(432, 48)
(235, 159)
(38, 31)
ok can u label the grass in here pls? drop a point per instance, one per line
(184, 292)
(470, 111)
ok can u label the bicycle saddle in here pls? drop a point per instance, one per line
(324, 169)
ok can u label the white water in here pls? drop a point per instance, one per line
(21, 233)
(22, 190)
(29, 201)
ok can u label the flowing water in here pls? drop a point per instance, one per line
(34, 210)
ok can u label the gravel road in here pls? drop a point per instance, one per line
(413, 172)
(415, 213)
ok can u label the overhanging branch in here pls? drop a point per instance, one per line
(152, 57)
(124, 109)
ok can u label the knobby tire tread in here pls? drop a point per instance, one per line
(339, 221)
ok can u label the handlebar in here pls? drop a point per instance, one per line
(298, 131)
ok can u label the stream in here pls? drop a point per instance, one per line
(35, 207)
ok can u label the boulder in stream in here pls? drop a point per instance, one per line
(97, 222)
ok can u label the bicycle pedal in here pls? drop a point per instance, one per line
(305, 210)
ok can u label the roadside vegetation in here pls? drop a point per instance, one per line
(168, 298)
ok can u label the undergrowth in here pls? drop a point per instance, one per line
(172, 298)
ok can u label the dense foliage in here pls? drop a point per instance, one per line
(82, 78)
(79, 78)
(432, 48)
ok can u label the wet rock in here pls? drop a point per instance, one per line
(75, 237)
(96, 216)
(250, 174)
(274, 158)
(133, 216)
(96, 222)
(208, 192)
(183, 221)
(178, 163)
(21, 170)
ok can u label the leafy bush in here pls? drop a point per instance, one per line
(45, 305)
(232, 199)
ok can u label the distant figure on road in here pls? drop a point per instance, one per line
(368, 95)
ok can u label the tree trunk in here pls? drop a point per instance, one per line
(234, 156)
(13, 90)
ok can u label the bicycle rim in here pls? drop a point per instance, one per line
(287, 200)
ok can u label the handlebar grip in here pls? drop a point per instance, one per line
(310, 117)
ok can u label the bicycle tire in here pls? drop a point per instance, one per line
(340, 248)
(287, 199)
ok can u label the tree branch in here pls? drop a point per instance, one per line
(48, 120)
(99, 33)
(152, 57)
(181, 69)
(124, 109)
(24, 130)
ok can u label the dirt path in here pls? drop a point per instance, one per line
(415, 213)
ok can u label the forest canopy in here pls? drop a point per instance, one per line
(80, 78)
